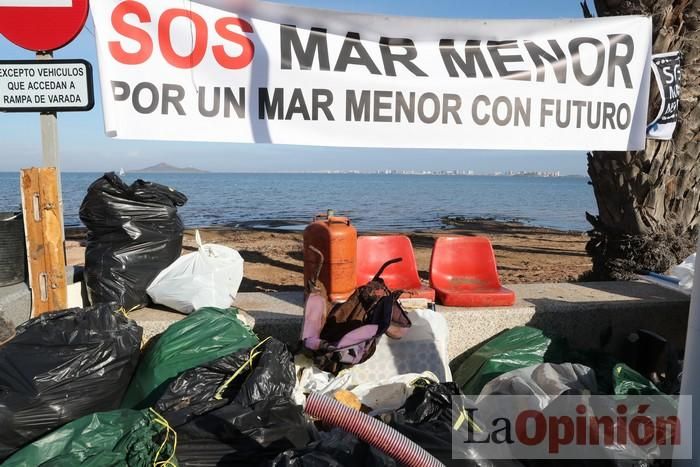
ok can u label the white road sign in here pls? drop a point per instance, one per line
(43, 86)
(36, 3)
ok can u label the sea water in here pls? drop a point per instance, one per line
(374, 202)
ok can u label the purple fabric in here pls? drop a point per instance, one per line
(314, 319)
(361, 334)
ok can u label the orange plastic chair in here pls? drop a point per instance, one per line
(463, 273)
(374, 251)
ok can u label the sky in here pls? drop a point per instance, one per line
(83, 145)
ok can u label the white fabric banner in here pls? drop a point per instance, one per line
(242, 71)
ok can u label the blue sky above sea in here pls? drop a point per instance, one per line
(84, 146)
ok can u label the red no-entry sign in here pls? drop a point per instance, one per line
(42, 25)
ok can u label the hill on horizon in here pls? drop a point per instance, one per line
(167, 168)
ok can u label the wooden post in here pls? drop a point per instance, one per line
(44, 233)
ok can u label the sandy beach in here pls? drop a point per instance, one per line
(273, 258)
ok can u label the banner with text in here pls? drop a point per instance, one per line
(244, 71)
(667, 71)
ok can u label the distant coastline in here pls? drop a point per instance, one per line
(439, 173)
(449, 173)
(167, 168)
(434, 173)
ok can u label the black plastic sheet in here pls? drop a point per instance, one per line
(134, 232)
(62, 366)
(427, 419)
(336, 448)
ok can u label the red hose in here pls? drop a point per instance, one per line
(370, 430)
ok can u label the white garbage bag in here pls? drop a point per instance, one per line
(311, 379)
(391, 393)
(546, 380)
(380, 394)
(685, 272)
(209, 277)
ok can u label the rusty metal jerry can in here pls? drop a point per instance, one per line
(336, 239)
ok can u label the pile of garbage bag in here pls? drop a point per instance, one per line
(79, 391)
(134, 242)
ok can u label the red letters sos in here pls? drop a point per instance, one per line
(226, 29)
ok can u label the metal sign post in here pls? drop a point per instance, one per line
(44, 26)
(47, 86)
(49, 146)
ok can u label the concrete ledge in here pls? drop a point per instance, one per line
(154, 321)
(16, 300)
(596, 315)
(15, 303)
(591, 315)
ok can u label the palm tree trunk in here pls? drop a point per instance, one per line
(649, 201)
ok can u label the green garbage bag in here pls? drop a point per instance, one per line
(513, 349)
(628, 382)
(205, 335)
(132, 438)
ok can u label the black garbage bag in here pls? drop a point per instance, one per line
(427, 419)
(237, 410)
(61, 366)
(655, 358)
(335, 448)
(134, 232)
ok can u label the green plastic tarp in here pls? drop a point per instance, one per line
(513, 349)
(203, 336)
(131, 438)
